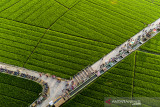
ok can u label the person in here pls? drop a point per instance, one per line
(63, 90)
(58, 81)
(40, 75)
(18, 72)
(146, 31)
(132, 39)
(143, 38)
(27, 75)
(67, 84)
(149, 25)
(53, 76)
(158, 29)
(143, 30)
(148, 35)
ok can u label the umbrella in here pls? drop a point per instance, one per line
(59, 78)
(51, 103)
(154, 30)
(131, 43)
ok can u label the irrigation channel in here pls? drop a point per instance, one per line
(59, 91)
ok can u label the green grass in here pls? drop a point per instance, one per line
(17, 92)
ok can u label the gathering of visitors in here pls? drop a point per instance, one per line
(84, 75)
(125, 49)
(131, 45)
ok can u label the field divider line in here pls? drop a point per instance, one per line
(113, 11)
(53, 31)
(146, 51)
(41, 39)
(62, 15)
(13, 98)
(35, 48)
(22, 6)
(22, 23)
(10, 6)
(17, 87)
(133, 75)
(97, 65)
(61, 4)
(81, 37)
(45, 33)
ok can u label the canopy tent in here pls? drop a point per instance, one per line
(51, 103)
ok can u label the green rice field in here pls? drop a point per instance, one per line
(17, 92)
(61, 37)
(136, 76)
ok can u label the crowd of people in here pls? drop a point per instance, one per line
(47, 75)
(45, 93)
(78, 79)
(17, 73)
(129, 47)
(125, 50)
(82, 76)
